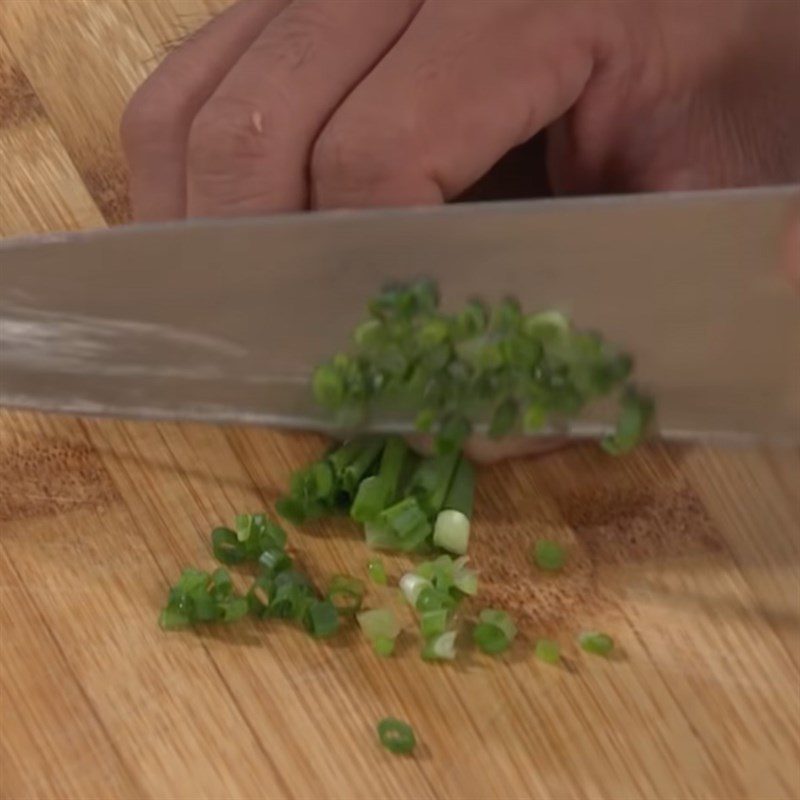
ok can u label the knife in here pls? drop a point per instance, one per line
(224, 320)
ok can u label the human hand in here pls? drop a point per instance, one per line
(282, 105)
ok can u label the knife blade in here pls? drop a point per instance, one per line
(224, 320)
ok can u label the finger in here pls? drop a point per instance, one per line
(155, 125)
(483, 450)
(467, 82)
(791, 251)
(488, 451)
(249, 145)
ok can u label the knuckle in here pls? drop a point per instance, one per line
(234, 133)
(153, 114)
(352, 158)
(227, 130)
(242, 156)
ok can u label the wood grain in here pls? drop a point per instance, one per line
(690, 557)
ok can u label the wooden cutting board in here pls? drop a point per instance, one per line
(688, 556)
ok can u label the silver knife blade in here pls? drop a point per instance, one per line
(224, 320)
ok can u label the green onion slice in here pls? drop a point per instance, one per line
(322, 619)
(547, 651)
(346, 593)
(441, 647)
(490, 638)
(411, 585)
(378, 623)
(500, 619)
(433, 623)
(600, 644)
(451, 531)
(396, 736)
(383, 646)
(273, 560)
(377, 572)
(258, 597)
(548, 555)
(227, 547)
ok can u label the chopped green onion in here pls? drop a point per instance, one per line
(432, 623)
(369, 333)
(328, 386)
(429, 570)
(323, 480)
(636, 412)
(534, 418)
(462, 489)
(383, 646)
(451, 369)
(444, 471)
(489, 638)
(344, 455)
(440, 572)
(379, 537)
(411, 585)
(451, 531)
(453, 432)
(547, 651)
(322, 619)
(376, 572)
(425, 420)
(433, 599)
(448, 577)
(452, 527)
(352, 474)
(233, 608)
(504, 418)
(464, 578)
(378, 491)
(226, 546)
(243, 523)
(292, 509)
(500, 619)
(265, 533)
(407, 522)
(370, 499)
(346, 593)
(200, 597)
(546, 325)
(431, 481)
(549, 555)
(396, 736)
(441, 647)
(254, 534)
(221, 583)
(274, 560)
(172, 619)
(291, 595)
(378, 623)
(507, 316)
(433, 333)
(600, 644)
(494, 632)
(258, 597)
(472, 321)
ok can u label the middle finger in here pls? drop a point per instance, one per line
(249, 145)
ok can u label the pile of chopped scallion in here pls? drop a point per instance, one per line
(513, 371)
(517, 370)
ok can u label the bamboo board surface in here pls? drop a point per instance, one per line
(689, 556)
